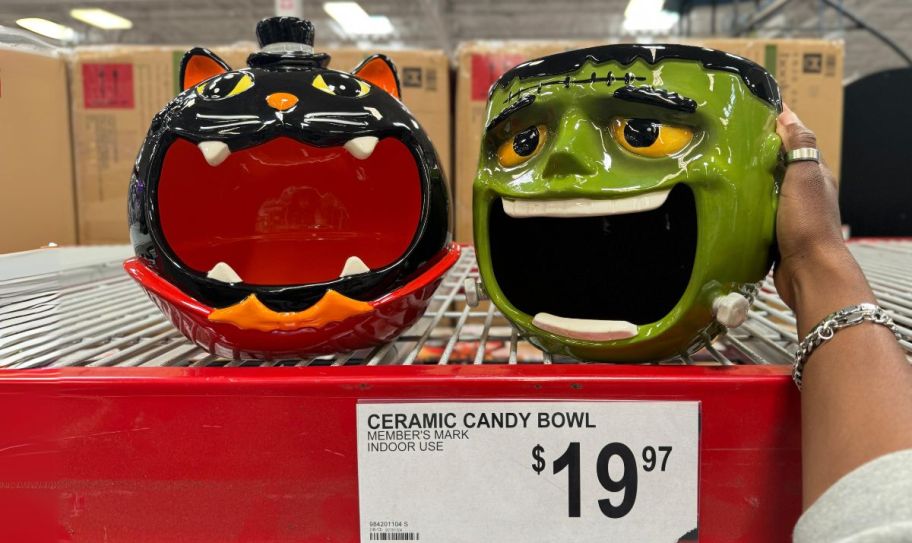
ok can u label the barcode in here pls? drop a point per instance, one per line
(395, 536)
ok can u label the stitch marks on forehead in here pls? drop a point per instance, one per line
(609, 79)
(754, 76)
(644, 94)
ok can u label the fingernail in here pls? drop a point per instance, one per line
(788, 117)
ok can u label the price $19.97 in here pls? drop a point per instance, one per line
(654, 459)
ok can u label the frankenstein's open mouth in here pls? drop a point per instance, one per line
(595, 269)
(287, 213)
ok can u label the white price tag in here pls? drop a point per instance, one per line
(528, 471)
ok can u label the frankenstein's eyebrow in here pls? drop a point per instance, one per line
(656, 97)
(510, 110)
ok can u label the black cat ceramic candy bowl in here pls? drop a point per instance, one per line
(285, 208)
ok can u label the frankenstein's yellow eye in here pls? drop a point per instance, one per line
(650, 138)
(522, 146)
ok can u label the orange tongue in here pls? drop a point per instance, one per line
(250, 313)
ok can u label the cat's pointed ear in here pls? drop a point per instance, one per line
(379, 71)
(198, 65)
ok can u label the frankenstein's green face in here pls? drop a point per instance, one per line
(626, 197)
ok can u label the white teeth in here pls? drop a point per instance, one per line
(353, 265)
(589, 329)
(731, 310)
(215, 151)
(584, 207)
(223, 272)
(362, 147)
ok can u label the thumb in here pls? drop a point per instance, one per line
(792, 131)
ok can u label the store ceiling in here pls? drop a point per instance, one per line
(434, 23)
(417, 23)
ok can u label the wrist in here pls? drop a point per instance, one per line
(825, 283)
(820, 266)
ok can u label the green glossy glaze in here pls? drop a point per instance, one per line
(731, 166)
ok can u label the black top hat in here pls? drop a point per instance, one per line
(291, 31)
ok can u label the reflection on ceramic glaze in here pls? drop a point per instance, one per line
(641, 221)
(263, 198)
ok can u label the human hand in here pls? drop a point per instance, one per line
(808, 226)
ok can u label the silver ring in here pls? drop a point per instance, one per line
(802, 154)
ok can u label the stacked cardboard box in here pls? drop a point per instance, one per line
(36, 166)
(117, 90)
(808, 71)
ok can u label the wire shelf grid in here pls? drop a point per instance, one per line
(93, 315)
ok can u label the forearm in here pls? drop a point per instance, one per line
(857, 393)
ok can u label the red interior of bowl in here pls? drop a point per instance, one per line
(287, 213)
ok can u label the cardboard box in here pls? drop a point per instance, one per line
(36, 165)
(116, 90)
(809, 73)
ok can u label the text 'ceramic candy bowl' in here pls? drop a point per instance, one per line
(287, 209)
(626, 196)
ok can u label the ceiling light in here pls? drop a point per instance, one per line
(101, 18)
(355, 21)
(378, 25)
(648, 16)
(47, 28)
(343, 12)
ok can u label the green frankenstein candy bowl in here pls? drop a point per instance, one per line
(626, 197)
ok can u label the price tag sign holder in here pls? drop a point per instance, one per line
(223, 454)
(586, 471)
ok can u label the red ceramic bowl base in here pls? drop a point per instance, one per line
(393, 314)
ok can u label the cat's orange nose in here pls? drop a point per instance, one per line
(281, 101)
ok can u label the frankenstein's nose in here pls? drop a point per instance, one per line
(281, 101)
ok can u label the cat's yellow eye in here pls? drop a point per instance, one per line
(522, 146)
(245, 83)
(225, 85)
(649, 137)
(340, 84)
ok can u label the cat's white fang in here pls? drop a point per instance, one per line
(224, 273)
(362, 147)
(215, 152)
(354, 265)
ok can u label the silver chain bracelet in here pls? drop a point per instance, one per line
(848, 316)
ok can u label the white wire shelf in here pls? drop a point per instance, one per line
(92, 314)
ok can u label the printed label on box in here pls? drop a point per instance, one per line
(486, 68)
(813, 63)
(411, 77)
(107, 86)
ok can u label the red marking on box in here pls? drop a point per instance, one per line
(487, 67)
(107, 86)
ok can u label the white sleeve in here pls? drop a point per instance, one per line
(871, 504)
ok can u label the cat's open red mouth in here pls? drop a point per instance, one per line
(287, 213)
